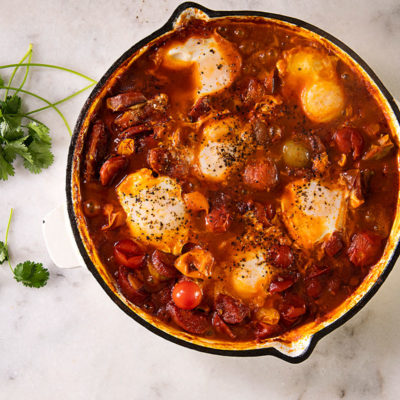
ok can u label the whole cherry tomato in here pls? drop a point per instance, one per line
(187, 295)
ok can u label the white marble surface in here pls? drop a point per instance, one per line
(68, 340)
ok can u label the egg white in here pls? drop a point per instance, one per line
(216, 61)
(225, 145)
(156, 211)
(251, 274)
(313, 74)
(313, 210)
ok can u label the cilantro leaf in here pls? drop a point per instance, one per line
(10, 127)
(39, 148)
(11, 149)
(6, 169)
(11, 105)
(35, 148)
(41, 157)
(31, 142)
(39, 132)
(31, 274)
(3, 252)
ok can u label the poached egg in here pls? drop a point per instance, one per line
(313, 210)
(225, 145)
(156, 212)
(216, 61)
(313, 74)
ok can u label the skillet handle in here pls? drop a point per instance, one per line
(59, 239)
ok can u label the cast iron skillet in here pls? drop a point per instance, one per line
(240, 353)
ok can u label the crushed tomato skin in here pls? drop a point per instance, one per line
(164, 115)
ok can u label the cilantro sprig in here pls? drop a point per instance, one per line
(18, 137)
(29, 273)
(22, 135)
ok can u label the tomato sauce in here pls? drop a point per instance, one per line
(277, 134)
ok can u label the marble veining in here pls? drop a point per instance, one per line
(68, 340)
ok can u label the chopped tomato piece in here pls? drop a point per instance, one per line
(333, 285)
(314, 288)
(111, 168)
(282, 256)
(349, 140)
(261, 174)
(218, 220)
(129, 254)
(316, 270)
(201, 107)
(364, 249)
(159, 160)
(334, 244)
(292, 308)
(280, 285)
(263, 331)
(115, 217)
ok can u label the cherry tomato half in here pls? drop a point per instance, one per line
(187, 295)
(129, 254)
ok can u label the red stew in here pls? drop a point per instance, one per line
(239, 179)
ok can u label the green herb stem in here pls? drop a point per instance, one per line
(5, 243)
(26, 70)
(16, 66)
(30, 118)
(8, 225)
(45, 101)
(47, 66)
(9, 263)
(59, 101)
